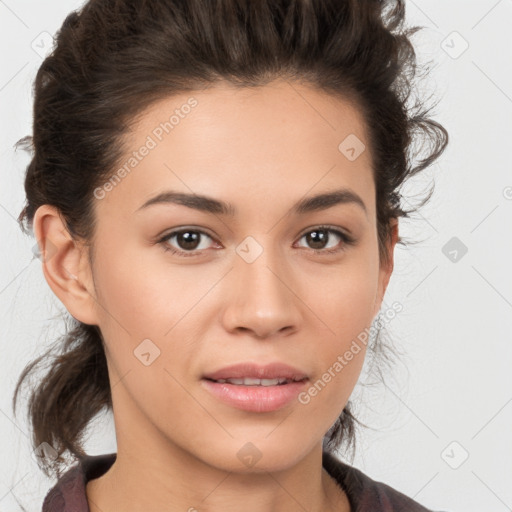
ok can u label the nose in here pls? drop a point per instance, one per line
(262, 299)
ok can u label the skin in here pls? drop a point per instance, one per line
(262, 150)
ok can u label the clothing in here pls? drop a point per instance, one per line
(364, 494)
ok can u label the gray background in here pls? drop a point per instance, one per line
(442, 420)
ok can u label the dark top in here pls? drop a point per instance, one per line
(364, 494)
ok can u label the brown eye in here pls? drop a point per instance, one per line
(319, 238)
(187, 241)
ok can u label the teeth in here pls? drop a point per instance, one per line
(247, 381)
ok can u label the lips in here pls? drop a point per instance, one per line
(254, 388)
(250, 373)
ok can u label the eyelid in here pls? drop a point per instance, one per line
(347, 239)
(163, 239)
(345, 232)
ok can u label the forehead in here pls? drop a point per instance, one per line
(281, 140)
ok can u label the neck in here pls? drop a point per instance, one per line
(139, 481)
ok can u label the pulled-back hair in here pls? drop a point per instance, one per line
(112, 59)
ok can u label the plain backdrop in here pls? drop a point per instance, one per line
(441, 424)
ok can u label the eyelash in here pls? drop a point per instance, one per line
(347, 241)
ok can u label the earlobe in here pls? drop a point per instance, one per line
(64, 265)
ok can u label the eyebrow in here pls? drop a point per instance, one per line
(207, 204)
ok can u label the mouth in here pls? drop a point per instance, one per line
(251, 374)
(250, 381)
(256, 388)
(255, 395)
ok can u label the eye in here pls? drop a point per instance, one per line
(321, 235)
(188, 241)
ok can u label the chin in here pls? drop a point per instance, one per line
(255, 456)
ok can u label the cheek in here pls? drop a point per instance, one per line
(343, 303)
(142, 312)
(343, 298)
(142, 300)
(136, 292)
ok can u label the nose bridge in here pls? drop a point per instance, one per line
(262, 301)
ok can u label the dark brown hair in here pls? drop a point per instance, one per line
(114, 58)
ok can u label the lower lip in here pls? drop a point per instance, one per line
(255, 398)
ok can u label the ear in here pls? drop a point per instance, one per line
(385, 271)
(65, 265)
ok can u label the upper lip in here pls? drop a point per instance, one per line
(252, 370)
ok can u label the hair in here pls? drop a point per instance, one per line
(112, 59)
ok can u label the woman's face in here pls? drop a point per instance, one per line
(246, 285)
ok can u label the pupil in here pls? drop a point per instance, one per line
(319, 234)
(189, 237)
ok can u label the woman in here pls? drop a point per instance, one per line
(214, 188)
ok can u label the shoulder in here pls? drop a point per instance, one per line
(366, 494)
(68, 494)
